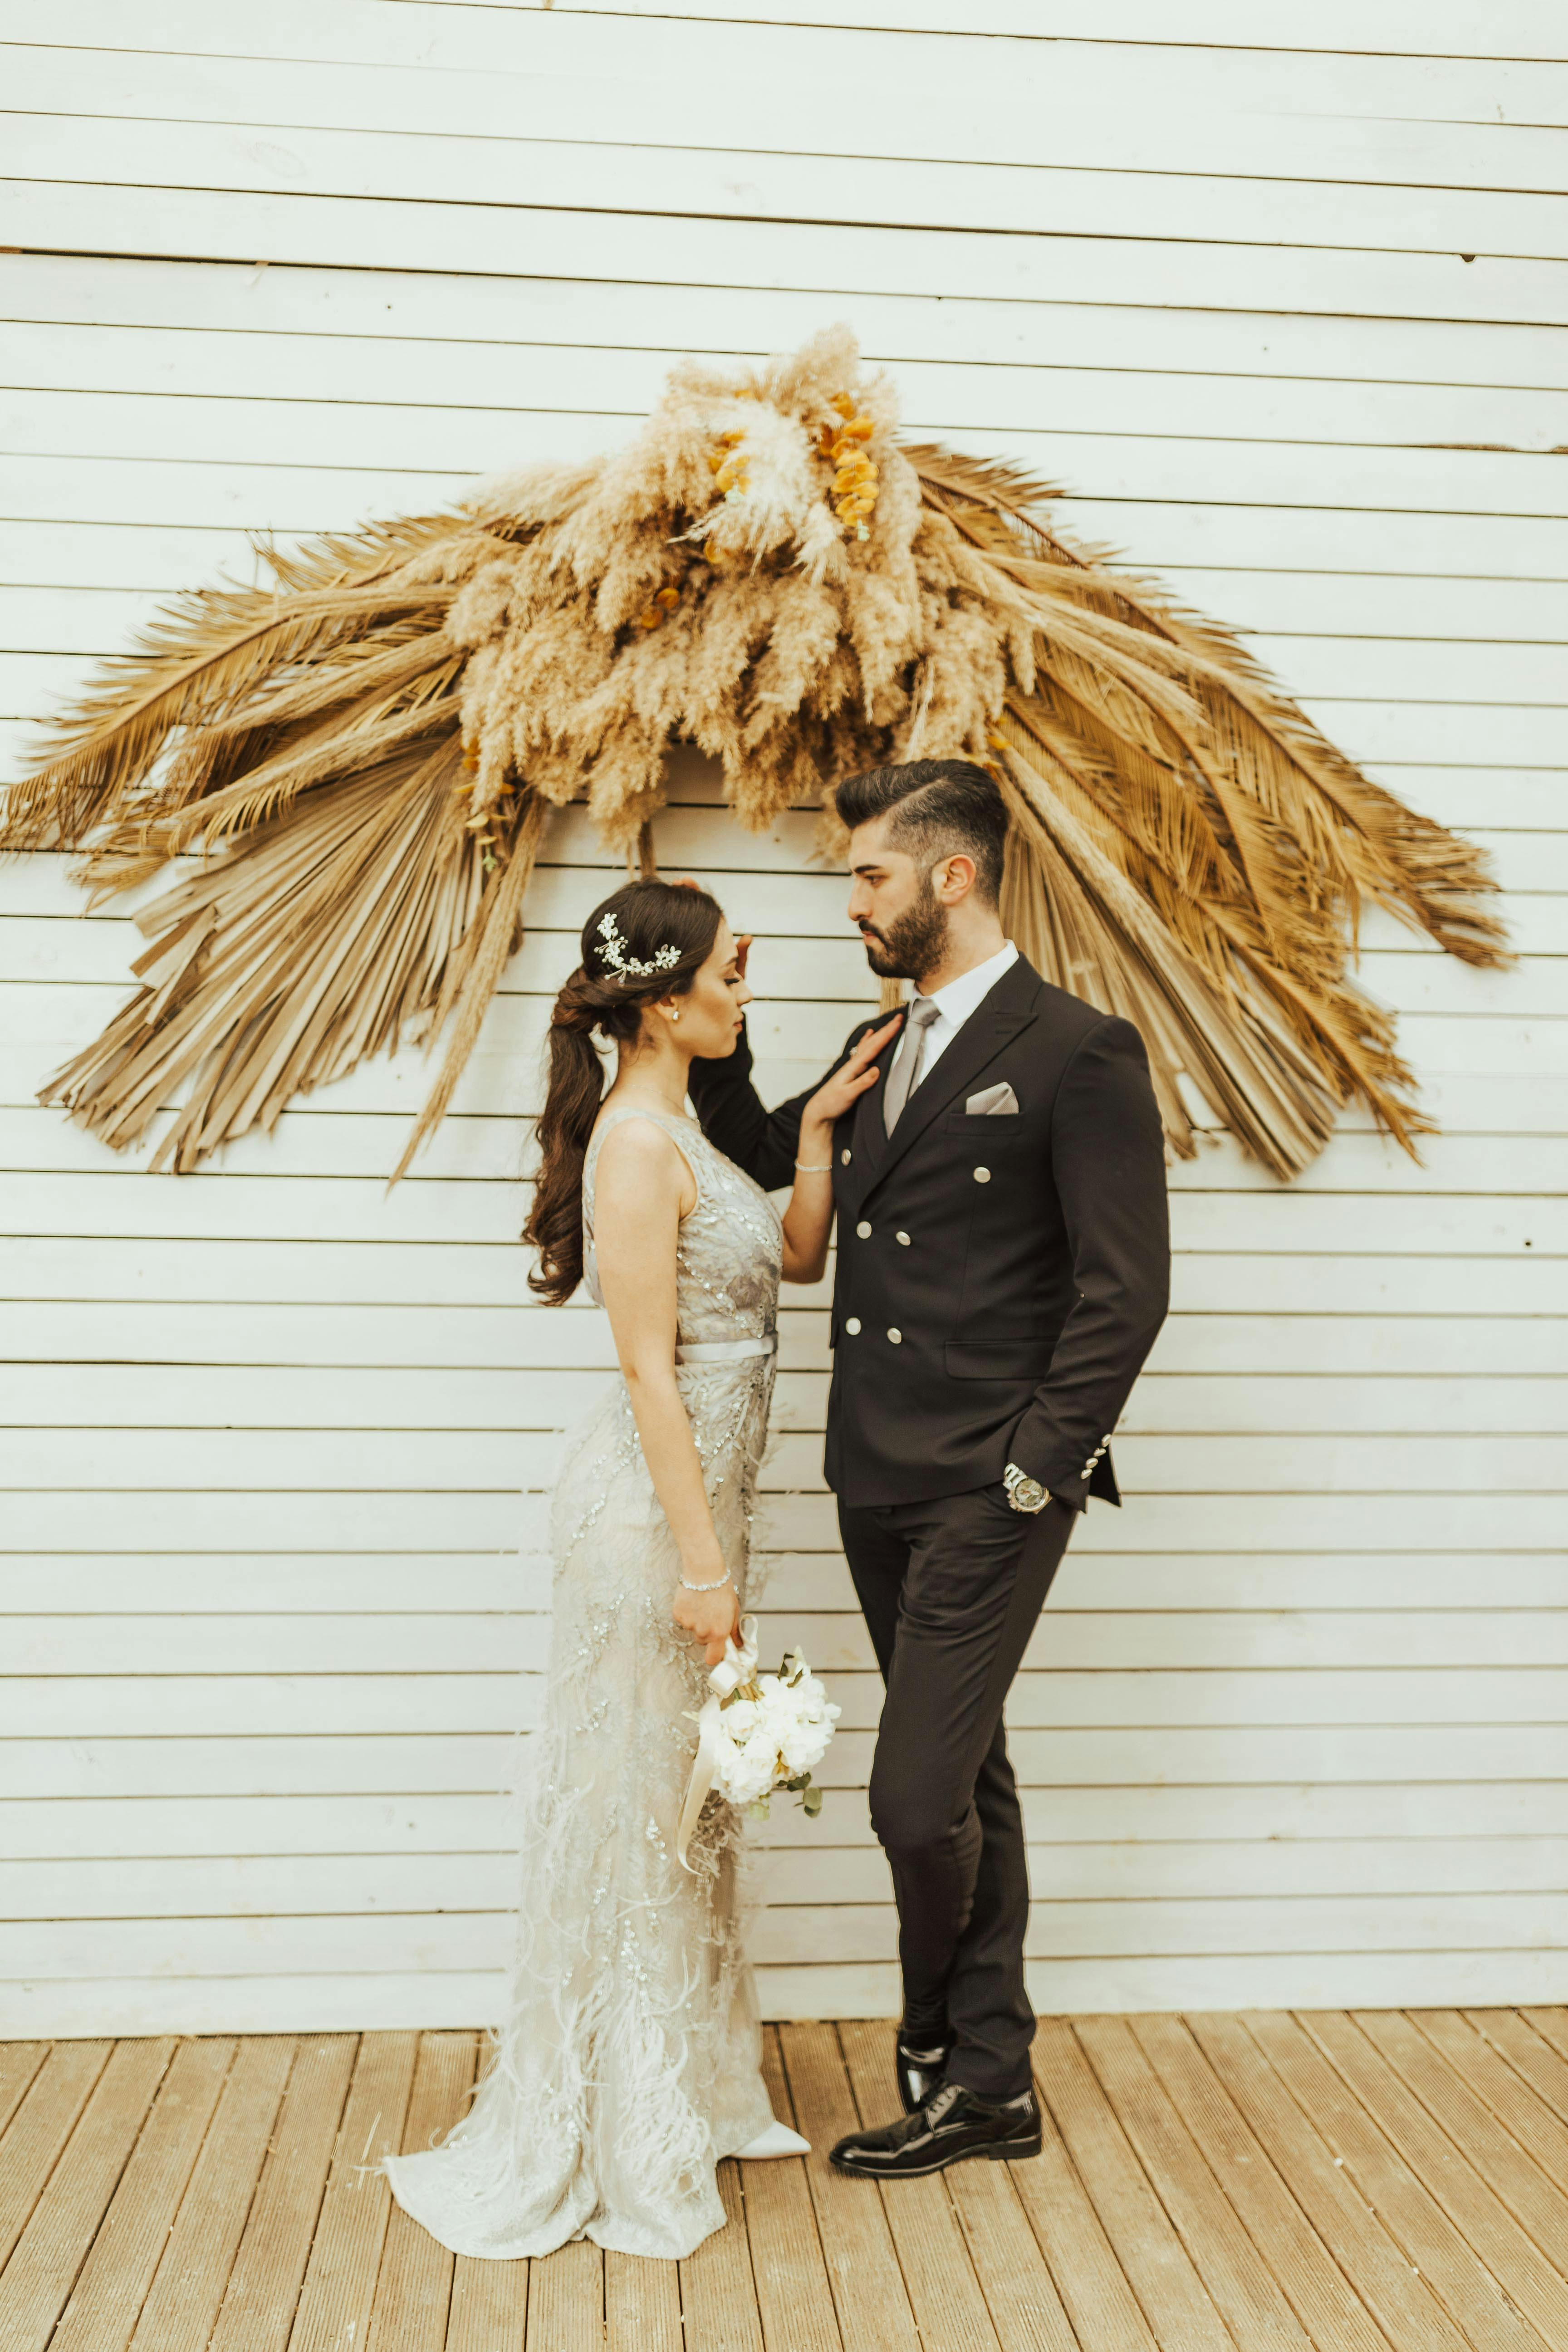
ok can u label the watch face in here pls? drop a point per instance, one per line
(1029, 1495)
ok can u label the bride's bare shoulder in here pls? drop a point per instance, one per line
(638, 1157)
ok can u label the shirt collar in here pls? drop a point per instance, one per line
(960, 998)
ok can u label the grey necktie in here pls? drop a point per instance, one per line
(905, 1075)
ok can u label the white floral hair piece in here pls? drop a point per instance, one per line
(631, 967)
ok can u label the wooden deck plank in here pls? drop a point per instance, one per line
(1382, 2183)
(414, 2285)
(345, 2254)
(717, 2292)
(1438, 2252)
(642, 2304)
(1093, 2287)
(19, 2062)
(1373, 2260)
(943, 2291)
(257, 2314)
(795, 2298)
(566, 2300)
(488, 2310)
(1517, 2107)
(1240, 2284)
(41, 2127)
(106, 2302)
(1157, 2266)
(1476, 2211)
(868, 2295)
(1320, 2295)
(1015, 2278)
(1535, 2061)
(38, 2280)
(1551, 2025)
(187, 2287)
(1483, 2145)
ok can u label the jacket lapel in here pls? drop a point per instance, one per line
(994, 1023)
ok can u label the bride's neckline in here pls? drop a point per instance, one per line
(646, 1110)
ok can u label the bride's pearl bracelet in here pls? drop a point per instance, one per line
(718, 1580)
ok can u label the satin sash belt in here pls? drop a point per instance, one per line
(727, 1351)
(736, 1666)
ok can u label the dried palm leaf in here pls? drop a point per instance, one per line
(368, 750)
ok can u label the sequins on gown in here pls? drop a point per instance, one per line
(629, 2059)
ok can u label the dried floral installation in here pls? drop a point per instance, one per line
(364, 756)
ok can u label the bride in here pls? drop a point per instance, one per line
(629, 2060)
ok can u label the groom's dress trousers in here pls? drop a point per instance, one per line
(1000, 1277)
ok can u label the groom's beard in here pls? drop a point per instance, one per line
(914, 943)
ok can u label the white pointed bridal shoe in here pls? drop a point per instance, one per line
(777, 2139)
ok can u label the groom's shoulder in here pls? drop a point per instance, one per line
(1073, 1018)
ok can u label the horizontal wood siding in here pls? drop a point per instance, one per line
(1277, 296)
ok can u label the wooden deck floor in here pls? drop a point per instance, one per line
(1209, 2184)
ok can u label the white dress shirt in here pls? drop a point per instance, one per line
(959, 999)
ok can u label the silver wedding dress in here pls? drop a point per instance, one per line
(629, 2060)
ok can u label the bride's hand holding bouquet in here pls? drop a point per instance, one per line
(711, 1617)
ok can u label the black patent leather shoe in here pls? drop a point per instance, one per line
(952, 2123)
(920, 2066)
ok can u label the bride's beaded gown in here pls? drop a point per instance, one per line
(629, 2060)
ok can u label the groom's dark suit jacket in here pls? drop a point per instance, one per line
(1000, 1277)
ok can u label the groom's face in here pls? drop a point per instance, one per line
(897, 913)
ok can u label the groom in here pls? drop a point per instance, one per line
(1001, 1273)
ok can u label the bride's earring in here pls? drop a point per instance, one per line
(675, 1016)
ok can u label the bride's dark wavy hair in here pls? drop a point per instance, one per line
(649, 916)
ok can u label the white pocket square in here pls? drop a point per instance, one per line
(992, 1102)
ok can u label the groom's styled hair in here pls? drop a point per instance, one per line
(944, 807)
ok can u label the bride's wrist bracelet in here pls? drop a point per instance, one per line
(714, 1587)
(815, 1167)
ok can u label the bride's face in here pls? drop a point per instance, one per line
(710, 1010)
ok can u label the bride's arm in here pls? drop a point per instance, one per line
(643, 1189)
(808, 1219)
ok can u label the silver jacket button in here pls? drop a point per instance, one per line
(902, 1240)
(982, 1175)
(852, 1325)
(844, 1158)
(897, 1337)
(863, 1231)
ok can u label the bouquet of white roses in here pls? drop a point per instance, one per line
(758, 1733)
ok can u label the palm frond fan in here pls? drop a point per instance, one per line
(364, 754)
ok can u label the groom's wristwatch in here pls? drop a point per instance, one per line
(1025, 1493)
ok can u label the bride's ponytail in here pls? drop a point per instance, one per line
(604, 995)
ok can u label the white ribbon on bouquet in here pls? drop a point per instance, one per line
(735, 1667)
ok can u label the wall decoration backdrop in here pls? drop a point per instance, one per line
(1296, 1722)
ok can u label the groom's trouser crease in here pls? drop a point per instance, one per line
(951, 1591)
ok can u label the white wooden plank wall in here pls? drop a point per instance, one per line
(1287, 319)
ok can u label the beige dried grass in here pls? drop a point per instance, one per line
(367, 753)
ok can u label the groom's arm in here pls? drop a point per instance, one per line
(763, 1142)
(1107, 1157)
